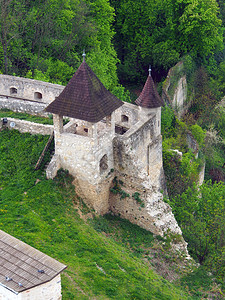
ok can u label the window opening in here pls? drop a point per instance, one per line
(124, 118)
(13, 91)
(37, 96)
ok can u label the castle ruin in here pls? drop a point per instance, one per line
(112, 148)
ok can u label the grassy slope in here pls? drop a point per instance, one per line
(43, 213)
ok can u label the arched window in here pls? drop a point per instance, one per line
(124, 118)
(13, 91)
(37, 96)
(103, 165)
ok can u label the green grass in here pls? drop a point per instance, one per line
(43, 213)
(133, 237)
(5, 113)
(200, 284)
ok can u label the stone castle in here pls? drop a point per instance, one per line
(113, 149)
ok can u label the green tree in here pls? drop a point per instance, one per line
(12, 27)
(196, 26)
(160, 32)
(200, 213)
(56, 33)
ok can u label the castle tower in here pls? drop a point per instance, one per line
(84, 145)
(139, 167)
(149, 101)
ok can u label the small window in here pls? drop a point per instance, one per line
(124, 118)
(13, 91)
(86, 130)
(103, 165)
(37, 96)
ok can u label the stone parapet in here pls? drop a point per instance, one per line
(27, 126)
(19, 105)
(29, 89)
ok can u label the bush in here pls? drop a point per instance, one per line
(199, 134)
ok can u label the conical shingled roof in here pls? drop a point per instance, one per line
(84, 98)
(149, 96)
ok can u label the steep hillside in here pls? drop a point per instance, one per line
(104, 259)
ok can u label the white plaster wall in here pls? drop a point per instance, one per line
(47, 291)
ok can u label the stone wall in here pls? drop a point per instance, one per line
(19, 105)
(94, 155)
(26, 126)
(88, 156)
(27, 95)
(127, 115)
(29, 89)
(139, 151)
(139, 173)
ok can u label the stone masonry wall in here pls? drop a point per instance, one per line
(140, 144)
(19, 105)
(81, 156)
(26, 126)
(29, 89)
(139, 174)
(27, 95)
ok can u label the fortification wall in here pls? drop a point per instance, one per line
(19, 105)
(127, 115)
(26, 126)
(29, 89)
(139, 151)
(88, 159)
(135, 193)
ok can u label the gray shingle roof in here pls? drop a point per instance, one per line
(84, 98)
(23, 267)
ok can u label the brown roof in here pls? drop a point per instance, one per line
(23, 267)
(85, 98)
(149, 96)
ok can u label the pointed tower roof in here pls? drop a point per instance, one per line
(149, 96)
(84, 97)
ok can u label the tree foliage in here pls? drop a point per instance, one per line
(48, 36)
(200, 213)
(160, 32)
